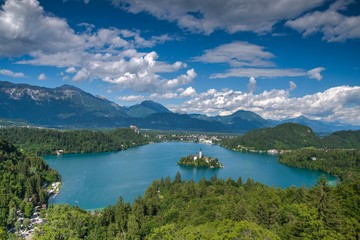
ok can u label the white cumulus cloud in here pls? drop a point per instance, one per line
(81, 75)
(166, 95)
(9, 73)
(24, 28)
(188, 92)
(338, 104)
(131, 98)
(316, 73)
(110, 54)
(42, 76)
(182, 79)
(70, 70)
(180, 93)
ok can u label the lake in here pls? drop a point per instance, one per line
(96, 180)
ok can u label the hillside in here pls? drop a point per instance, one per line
(175, 121)
(342, 139)
(48, 141)
(65, 105)
(343, 163)
(284, 136)
(22, 178)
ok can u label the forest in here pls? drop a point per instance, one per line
(290, 136)
(340, 162)
(22, 184)
(41, 141)
(216, 209)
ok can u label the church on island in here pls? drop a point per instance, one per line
(199, 160)
(199, 156)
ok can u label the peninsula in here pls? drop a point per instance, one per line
(199, 160)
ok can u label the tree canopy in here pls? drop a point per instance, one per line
(217, 209)
(22, 181)
(46, 141)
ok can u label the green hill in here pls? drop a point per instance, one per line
(43, 141)
(342, 139)
(284, 136)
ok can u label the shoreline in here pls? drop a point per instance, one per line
(35, 219)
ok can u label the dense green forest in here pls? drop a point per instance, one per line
(22, 181)
(217, 209)
(342, 139)
(340, 162)
(284, 136)
(47, 141)
(291, 136)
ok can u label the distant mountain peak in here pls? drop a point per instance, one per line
(148, 101)
(68, 87)
(300, 117)
(62, 106)
(146, 108)
(154, 105)
(241, 111)
(244, 112)
(247, 115)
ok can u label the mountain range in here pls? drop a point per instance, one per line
(71, 107)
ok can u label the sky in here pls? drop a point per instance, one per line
(280, 58)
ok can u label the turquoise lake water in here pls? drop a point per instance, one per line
(94, 181)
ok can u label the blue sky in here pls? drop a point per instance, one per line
(280, 58)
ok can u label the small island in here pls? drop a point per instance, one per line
(200, 161)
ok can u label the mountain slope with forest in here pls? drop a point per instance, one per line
(289, 136)
(47, 141)
(284, 136)
(65, 105)
(343, 139)
(22, 181)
